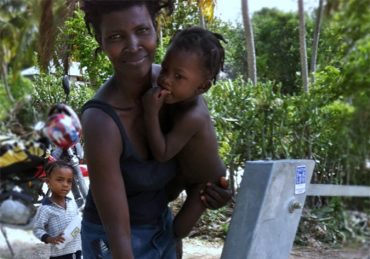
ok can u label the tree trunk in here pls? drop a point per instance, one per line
(251, 55)
(47, 34)
(205, 10)
(316, 38)
(232, 177)
(160, 36)
(304, 71)
(66, 48)
(202, 22)
(302, 45)
(4, 73)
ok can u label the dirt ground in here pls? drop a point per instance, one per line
(196, 249)
(26, 246)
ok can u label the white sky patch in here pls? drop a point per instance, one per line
(230, 10)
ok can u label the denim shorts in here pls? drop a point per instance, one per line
(148, 241)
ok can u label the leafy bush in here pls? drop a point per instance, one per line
(85, 49)
(20, 86)
(333, 225)
(258, 122)
(48, 91)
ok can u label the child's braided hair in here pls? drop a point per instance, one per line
(51, 166)
(205, 43)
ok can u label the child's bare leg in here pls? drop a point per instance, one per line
(190, 212)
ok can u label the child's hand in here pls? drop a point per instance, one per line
(216, 196)
(153, 99)
(55, 240)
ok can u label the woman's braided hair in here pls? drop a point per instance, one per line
(203, 42)
(95, 9)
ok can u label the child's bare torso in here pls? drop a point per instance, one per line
(199, 160)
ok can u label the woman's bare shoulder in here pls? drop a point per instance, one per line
(97, 121)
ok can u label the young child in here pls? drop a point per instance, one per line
(57, 211)
(190, 67)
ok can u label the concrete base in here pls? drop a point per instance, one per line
(268, 209)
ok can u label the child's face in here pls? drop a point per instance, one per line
(60, 181)
(183, 75)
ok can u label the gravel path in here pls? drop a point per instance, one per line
(26, 246)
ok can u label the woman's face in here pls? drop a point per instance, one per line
(129, 39)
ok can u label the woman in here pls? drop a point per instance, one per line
(127, 186)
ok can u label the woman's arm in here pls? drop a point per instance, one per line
(199, 198)
(216, 195)
(103, 150)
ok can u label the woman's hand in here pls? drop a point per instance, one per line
(216, 196)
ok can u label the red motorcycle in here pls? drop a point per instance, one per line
(22, 185)
(63, 129)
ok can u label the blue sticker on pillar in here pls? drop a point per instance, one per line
(300, 179)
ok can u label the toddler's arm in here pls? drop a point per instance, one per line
(166, 146)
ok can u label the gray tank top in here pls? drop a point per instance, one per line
(145, 180)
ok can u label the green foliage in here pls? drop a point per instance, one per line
(3, 102)
(19, 117)
(351, 22)
(261, 123)
(347, 34)
(18, 30)
(355, 76)
(277, 47)
(329, 124)
(258, 122)
(48, 91)
(246, 115)
(161, 50)
(235, 48)
(22, 87)
(45, 91)
(333, 225)
(84, 49)
(184, 15)
(215, 222)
